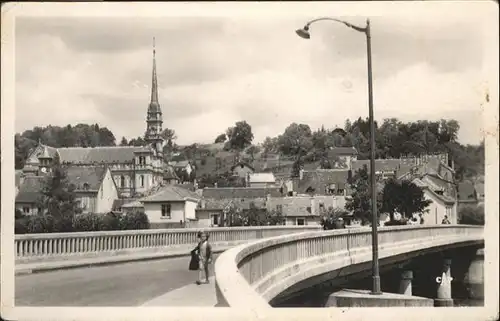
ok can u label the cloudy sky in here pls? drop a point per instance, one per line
(213, 71)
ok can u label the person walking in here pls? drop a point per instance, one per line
(205, 258)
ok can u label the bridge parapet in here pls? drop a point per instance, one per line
(251, 275)
(56, 246)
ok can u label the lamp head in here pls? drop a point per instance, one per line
(304, 32)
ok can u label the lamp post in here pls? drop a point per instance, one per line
(304, 33)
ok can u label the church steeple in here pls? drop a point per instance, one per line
(154, 116)
(154, 81)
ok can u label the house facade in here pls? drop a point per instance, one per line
(95, 190)
(135, 169)
(261, 180)
(305, 210)
(171, 205)
(441, 205)
(242, 170)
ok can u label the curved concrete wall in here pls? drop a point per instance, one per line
(250, 275)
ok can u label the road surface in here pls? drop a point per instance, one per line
(128, 284)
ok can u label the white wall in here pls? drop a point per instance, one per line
(190, 210)
(107, 194)
(292, 220)
(437, 210)
(153, 211)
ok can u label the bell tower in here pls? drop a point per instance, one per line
(154, 119)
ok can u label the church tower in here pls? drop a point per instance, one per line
(154, 116)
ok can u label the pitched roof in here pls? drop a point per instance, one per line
(239, 192)
(104, 154)
(241, 203)
(30, 190)
(170, 193)
(90, 175)
(262, 178)
(401, 166)
(320, 178)
(242, 164)
(133, 204)
(425, 186)
(342, 151)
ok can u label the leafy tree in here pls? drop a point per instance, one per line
(169, 136)
(58, 199)
(296, 140)
(404, 197)
(220, 139)
(331, 220)
(139, 141)
(412, 199)
(239, 136)
(124, 142)
(270, 145)
(137, 220)
(471, 215)
(360, 202)
(252, 151)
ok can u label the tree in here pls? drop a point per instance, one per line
(412, 199)
(139, 141)
(169, 136)
(124, 142)
(239, 136)
(252, 151)
(220, 139)
(296, 140)
(58, 199)
(331, 219)
(270, 145)
(360, 202)
(471, 215)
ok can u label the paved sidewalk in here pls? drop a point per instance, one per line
(190, 295)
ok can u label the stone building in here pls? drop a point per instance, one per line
(135, 169)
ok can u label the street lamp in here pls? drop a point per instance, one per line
(304, 33)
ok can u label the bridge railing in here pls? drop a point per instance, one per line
(57, 245)
(252, 274)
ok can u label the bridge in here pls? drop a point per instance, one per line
(258, 267)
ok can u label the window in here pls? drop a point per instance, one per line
(142, 180)
(301, 221)
(122, 181)
(26, 209)
(279, 208)
(215, 220)
(86, 186)
(321, 206)
(166, 210)
(340, 191)
(308, 209)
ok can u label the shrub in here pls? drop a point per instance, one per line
(134, 221)
(402, 221)
(471, 215)
(109, 222)
(86, 222)
(21, 226)
(41, 224)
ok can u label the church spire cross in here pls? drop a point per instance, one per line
(154, 82)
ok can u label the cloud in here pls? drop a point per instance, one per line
(215, 71)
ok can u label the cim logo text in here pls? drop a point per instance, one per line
(443, 279)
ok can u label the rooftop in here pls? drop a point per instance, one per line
(30, 191)
(170, 193)
(239, 192)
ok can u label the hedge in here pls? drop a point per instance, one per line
(86, 222)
